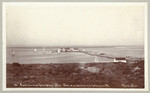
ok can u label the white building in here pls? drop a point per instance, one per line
(58, 50)
(120, 59)
(74, 49)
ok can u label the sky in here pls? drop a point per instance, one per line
(74, 25)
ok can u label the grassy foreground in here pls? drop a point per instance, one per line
(76, 75)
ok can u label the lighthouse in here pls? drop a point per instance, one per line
(96, 59)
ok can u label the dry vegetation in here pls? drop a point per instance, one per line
(115, 75)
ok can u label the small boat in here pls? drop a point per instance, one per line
(13, 52)
(35, 50)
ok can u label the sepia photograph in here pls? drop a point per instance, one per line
(75, 45)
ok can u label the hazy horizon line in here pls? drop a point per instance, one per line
(70, 45)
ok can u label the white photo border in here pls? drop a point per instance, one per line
(5, 4)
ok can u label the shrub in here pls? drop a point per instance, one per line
(16, 64)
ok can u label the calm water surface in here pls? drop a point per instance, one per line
(27, 55)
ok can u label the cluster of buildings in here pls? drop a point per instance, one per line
(120, 59)
(67, 50)
(117, 59)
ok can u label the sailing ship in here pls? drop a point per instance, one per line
(44, 50)
(13, 52)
